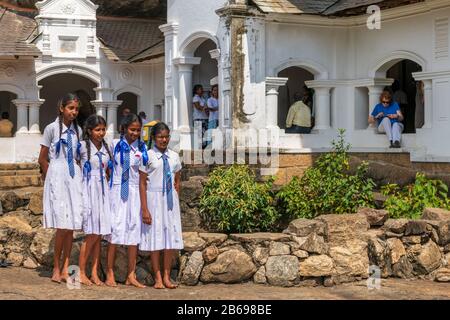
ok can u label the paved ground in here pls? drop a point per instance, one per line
(18, 283)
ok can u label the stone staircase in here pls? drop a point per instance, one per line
(19, 175)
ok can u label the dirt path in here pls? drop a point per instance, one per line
(18, 283)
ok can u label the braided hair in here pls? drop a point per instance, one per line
(157, 128)
(63, 102)
(91, 123)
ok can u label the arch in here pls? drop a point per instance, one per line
(318, 70)
(14, 89)
(73, 68)
(129, 88)
(384, 64)
(193, 41)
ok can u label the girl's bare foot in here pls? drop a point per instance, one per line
(159, 285)
(56, 277)
(85, 280)
(64, 276)
(132, 281)
(169, 285)
(97, 281)
(110, 281)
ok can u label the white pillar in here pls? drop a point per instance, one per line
(100, 108)
(22, 116)
(34, 116)
(323, 119)
(374, 98)
(428, 103)
(112, 116)
(272, 86)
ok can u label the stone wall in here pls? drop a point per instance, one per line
(328, 250)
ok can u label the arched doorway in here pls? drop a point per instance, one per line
(56, 86)
(6, 105)
(130, 101)
(295, 84)
(406, 93)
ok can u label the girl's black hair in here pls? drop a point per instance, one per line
(196, 87)
(126, 122)
(62, 103)
(157, 128)
(91, 123)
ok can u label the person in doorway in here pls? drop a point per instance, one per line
(213, 107)
(125, 112)
(143, 117)
(388, 116)
(200, 112)
(299, 116)
(6, 126)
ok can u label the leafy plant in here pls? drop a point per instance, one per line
(327, 187)
(410, 201)
(232, 201)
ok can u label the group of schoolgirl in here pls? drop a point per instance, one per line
(121, 192)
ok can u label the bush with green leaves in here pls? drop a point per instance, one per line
(410, 201)
(232, 201)
(327, 187)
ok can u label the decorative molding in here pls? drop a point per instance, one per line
(273, 83)
(441, 42)
(7, 71)
(420, 76)
(127, 74)
(68, 8)
(187, 61)
(169, 29)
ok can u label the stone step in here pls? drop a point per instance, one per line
(19, 166)
(19, 181)
(9, 173)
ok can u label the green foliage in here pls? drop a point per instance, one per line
(232, 201)
(410, 201)
(327, 187)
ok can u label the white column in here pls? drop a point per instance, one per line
(22, 116)
(272, 86)
(112, 116)
(100, 108)
(428, 103)
(34, 116)
(323, 119)
(374, 98)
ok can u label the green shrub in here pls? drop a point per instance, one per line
(410, 201)
(232, 201)
(327, 187)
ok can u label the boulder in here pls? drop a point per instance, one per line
(444, 232)
(144, 276)
(259, 237)
(192, 190)
(260, 255)
(316, 266)
(260, 276)
(301, 254)
(190, 218)
(213, 238)
(396, 248)
(397, 226)
(35, 205)
(403, 268)
(282, 270)
(442, 275)
(42, 246)
(410, 240)
(278, 249)
(379, 199)
(16, 259)
(29, 263)
(210, 254)
(16, 236)
(193, 269)
(383, 173)
(15, 222)
(435, 214)
(379, 255)
(193, 242)
(304, 227)
(417, 227)
(342, 227)
(11, 201)
(374, 217)
(446, 248)
(312, 244)
(231, 266)
(351, 259)
(429, 258)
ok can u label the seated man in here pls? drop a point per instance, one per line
(6, 125)
(299, 117)
(388, 116)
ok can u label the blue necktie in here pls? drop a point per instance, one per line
(70, 153)
(99, 154)
(125, 175)
(167, 182)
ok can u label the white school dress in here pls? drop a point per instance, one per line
(126, 215)
(165, 231)
(96, 202)
(63, 198)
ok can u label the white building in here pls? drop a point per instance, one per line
(260, 52)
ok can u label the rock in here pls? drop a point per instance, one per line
(278, 249)
(444, 233)
(435, 214)
(301, 254)
(328, 282)
(193, 242)
(33, 221)
(374, 217)
(342, 227)
(210, 254)
(390, 234)
(11, 201)
(16, 259)
(312, 244)
(43, 245)
(447, 259)
(316, 266)
(182, 262)
(397, 250)
(193, 269)
(192, 190)
(379, 199)
(16, 236)
(442, 275)
(396, 225)
(260, 276)
(144, 276)
(403, 268)
(282, 270)
(232, 266)
(35, 205)
(412, 240)
(1, 209)
(260, 255)
(310, 282)
(260, 237)
(190, 218)
(120, 264)
(351, 259)
(429, 258)
(75, 253)
(304, 227)
(379, 255)
(417, 227)
(29, 263)
(446, 248)
(383, 173)
(213, 238)
(16, 223)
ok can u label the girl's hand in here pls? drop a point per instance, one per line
(146, 217)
